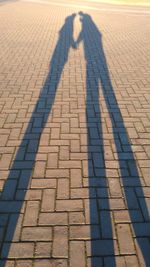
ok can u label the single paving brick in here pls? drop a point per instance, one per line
(63, 189)
(69, 205)
(112, 204)
(124, 216)
(64, 153)
(64, 127)
(52, 160)
(76, 218)
(95, 261)
(36, 234)
(69, 136)
(13, 234)
(8, 263)
(74, 122)
(31, 213)
(43, 183)
(131, 261)
(3, 139)
(107, 224)
(115, 187)
(48, 200)
(141, 191)
(44, 140)
(54, 218)
(84, 232)
(18, 250)
(50, 263)
(43, 249)
(60, 243)
(78, 156)
(142, 229)
(5, 161)
(11, 207)
(131, 199)
(83, 193)
(75, 146)
(70, 164)
(39, 169)
(48, 149)
(125, 240)
(57, 173)
(143, 258)
(114, 261)
(55, 133)
(101, 248)
(91, 211)
(24, 263)
(76, 178)
(31, 194)
(144, 163)
(77, 254)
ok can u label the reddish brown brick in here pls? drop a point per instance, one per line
(31, 213)
(48, 200)
(60, 243)
(39, 170)
(77, 254)
(19, 250)
(52, 160)
(57, 218)
(43, 249)
(126, 245)
(63, 189)
(37, 234)
(69, 205)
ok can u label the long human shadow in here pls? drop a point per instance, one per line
(23, 164)
(97, 73)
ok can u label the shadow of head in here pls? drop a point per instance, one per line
(71, 16)
(81, 14)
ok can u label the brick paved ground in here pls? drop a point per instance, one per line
(74, 136)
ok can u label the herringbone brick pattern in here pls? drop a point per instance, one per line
(74, 137)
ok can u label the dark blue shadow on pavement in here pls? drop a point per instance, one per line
(22, 167)
(102, 248)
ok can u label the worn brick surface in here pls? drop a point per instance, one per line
(74, 134)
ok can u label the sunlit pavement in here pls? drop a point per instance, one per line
(74, 134)
(96, 5)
